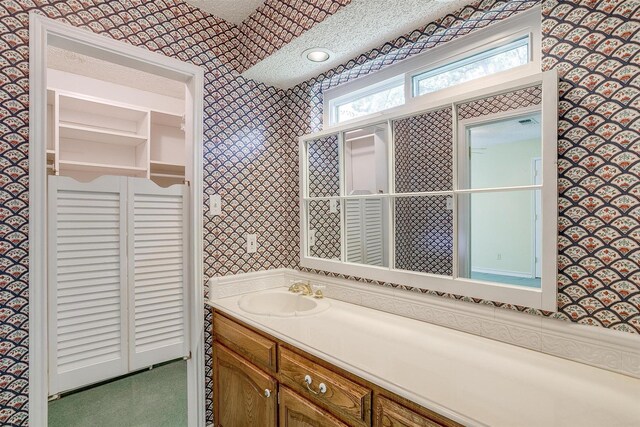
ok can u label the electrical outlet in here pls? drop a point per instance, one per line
(215, 204)
(333, 206)
(449, 203)
(312, 238)
(252, 243)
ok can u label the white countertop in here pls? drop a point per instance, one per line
(473, 380)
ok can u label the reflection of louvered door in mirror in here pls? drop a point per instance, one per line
(364, 231)
(87, 281)
(158, 250)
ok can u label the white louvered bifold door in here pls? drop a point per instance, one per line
(158, 253)
(86, 281)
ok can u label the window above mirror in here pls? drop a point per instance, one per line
(455, 195)
(497, 53)
(505, 56)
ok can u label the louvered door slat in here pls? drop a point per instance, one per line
(353, 230)
(87, 281)
(158, 248)
(373, 232)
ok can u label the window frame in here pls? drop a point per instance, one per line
(525, 24)
(335, 103)
(496, 47)
(538, 298)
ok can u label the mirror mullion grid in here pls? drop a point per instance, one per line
(304, 206)
(391, 185)
(454, 185)
(342, 194)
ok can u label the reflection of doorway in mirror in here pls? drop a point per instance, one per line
(365, 173)
(502, 229)
(366, 161)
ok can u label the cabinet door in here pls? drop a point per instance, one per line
(298, 412)
(388, 413)
(243, 395)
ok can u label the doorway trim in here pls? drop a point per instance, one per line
(536, 172)
(44, 31)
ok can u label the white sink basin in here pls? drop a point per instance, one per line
(281, 303)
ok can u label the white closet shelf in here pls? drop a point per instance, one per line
(166, 175)
(166, 168)
(100, 107)
(166, 119)
(103, 136)
(103, 168)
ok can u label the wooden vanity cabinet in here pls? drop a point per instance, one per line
(244, 395)
(342, 396)
(388, 413)
(259, 350)
(260, 381)
(298, 412)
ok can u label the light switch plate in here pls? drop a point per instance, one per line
(333, 206)
(312, 238)
(252, 243)
(215, 204)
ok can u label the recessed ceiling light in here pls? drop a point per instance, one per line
(317, 54)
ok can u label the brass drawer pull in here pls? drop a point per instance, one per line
(322, 388)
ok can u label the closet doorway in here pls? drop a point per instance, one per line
(115, 231)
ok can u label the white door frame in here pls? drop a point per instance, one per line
(536, 171)
(44, 31)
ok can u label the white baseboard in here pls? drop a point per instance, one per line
(522, 274)
(600, 347)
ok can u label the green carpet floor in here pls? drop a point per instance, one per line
(155, 398)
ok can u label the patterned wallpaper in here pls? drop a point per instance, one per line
(248, 160)
(324, 181)
(424, 228)
(593, 45)
(251, 156)
(323, 165)
(424, 235)
(523, 98)
(423, 152)
(327, 229)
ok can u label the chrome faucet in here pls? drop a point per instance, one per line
(301, 287)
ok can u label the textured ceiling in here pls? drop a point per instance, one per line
(356, 28)
(72, 62)
(506, 131)
(234, 11)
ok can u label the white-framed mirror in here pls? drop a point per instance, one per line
(452, 195)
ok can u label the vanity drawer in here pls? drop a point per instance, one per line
(388, 413)
(251, 345)
(346, 399)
